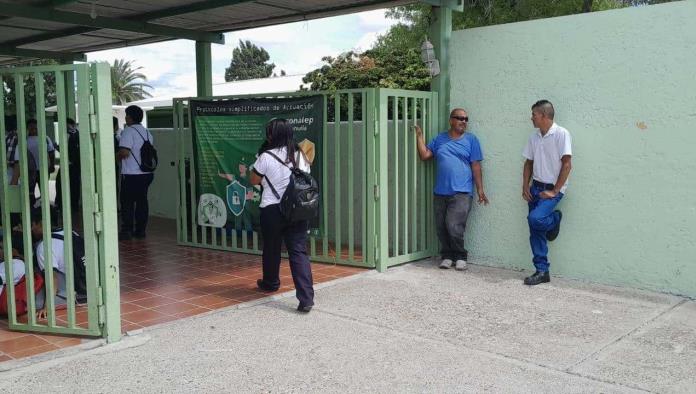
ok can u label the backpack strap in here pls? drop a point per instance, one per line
(273, 189)
(144, 140)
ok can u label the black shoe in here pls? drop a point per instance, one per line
(265, 287)
(553, 233)
(138, 235)
(124, 236)
(537, 278)
(304, 308)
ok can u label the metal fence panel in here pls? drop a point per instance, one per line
(97, 192)
(376, 195)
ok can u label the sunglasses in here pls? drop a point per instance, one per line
(460, 118)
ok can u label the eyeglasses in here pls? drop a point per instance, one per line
(460, 118)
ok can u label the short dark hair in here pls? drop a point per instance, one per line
(36, 216)
(70, 121)
(135, 113)
(544, 107)
(32, 121)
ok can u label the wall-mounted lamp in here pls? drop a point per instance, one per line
(428, 57)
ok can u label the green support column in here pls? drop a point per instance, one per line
(440, 33)
(204, 69)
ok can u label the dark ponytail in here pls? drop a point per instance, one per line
(279, 134)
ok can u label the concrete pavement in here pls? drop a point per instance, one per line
(413, 329)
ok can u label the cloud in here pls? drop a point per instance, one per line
(296, 48)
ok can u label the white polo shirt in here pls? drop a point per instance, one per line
(546, 152)
(270, 168)
(132, 138)
(56, 256)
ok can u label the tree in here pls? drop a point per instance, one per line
(395, 55)
(248, 62)
(127, 84)
(8, 83)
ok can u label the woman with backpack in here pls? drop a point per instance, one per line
(272, 170)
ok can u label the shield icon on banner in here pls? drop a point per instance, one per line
(236, 197)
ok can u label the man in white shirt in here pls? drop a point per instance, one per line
(32, 159)
(134, 181)
(547, 166)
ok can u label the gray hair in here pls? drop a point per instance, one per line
(544, 107)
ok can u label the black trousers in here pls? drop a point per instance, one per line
(134, 208)
(75, 183)
(275, 229)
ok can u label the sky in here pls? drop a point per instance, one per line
(297, 48)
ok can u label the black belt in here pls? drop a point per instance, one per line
(545, 186)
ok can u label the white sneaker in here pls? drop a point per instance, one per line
(460, 265)
(446, 264)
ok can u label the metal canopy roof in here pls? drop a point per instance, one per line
(66, 29)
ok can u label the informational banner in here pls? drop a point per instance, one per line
(227, 135)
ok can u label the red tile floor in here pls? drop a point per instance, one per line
(161, 282)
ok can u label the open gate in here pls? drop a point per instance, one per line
(83, 93)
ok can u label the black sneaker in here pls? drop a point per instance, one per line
(124, 236)
(553, 233)
(263, 286)
(537, 278)
(304, 308)
(139, 235)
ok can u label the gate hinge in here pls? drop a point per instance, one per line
(98, 222)
(92, 116)
(101, 311)
(376, 192)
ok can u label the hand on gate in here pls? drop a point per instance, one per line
(41, 314)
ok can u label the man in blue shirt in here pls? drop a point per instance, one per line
(458, 161)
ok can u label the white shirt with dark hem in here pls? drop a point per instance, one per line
(268, 167)
(132, 138)
(546, 151)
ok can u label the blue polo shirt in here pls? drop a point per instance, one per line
(453, 159)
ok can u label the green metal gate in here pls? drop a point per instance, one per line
(359, 224)
(88, 86)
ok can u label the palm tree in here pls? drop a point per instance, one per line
(126, 83)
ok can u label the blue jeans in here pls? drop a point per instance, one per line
(541, 219)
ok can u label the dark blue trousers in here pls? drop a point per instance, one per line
(134, 207)
(275, 229)
(541, 219)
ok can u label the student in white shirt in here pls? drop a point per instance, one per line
(547, 167)
(274, 227)
(134, 182)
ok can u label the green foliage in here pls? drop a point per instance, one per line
(249, 62)
(127, 84)
(395, 62)
(384, 67)
(8, 83)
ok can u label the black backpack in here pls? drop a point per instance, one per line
(79, 264)
(301, 199)
(148, 154)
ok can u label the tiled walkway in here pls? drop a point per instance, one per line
(161, 281)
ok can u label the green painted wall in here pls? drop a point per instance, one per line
(624, 84)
